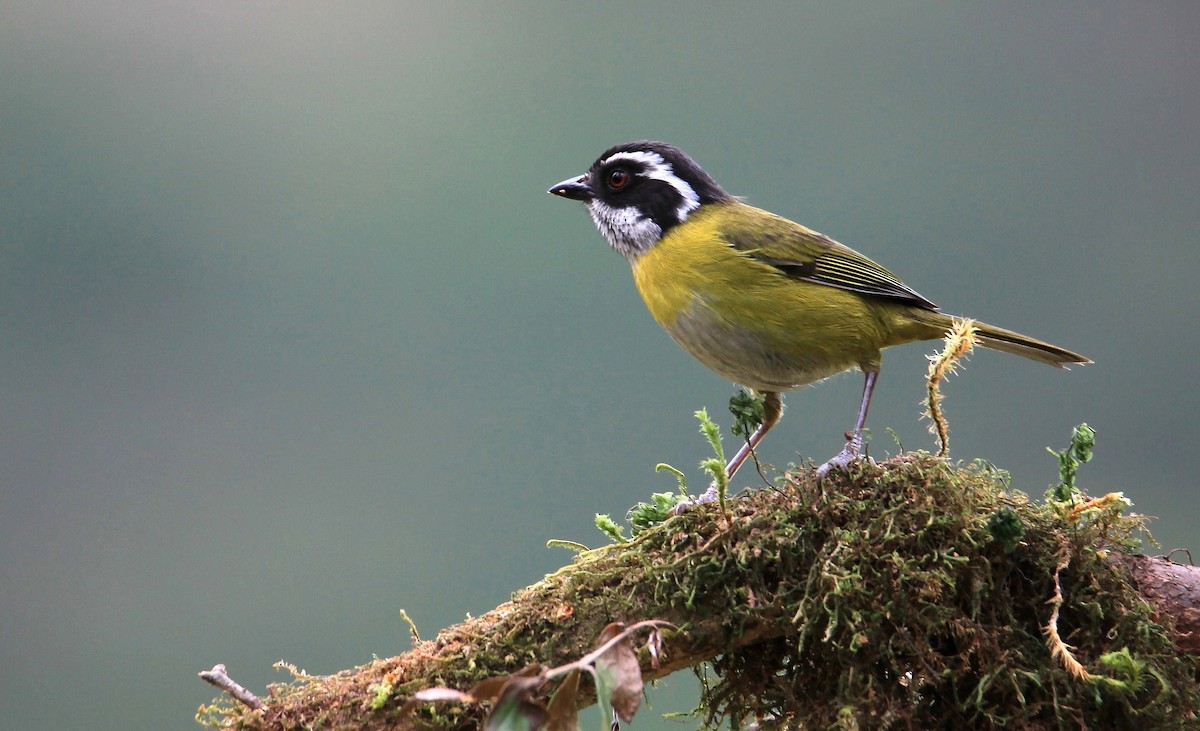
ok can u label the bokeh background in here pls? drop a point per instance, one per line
(293, 337)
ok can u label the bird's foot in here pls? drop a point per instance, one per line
(843, 459)
(708, 496)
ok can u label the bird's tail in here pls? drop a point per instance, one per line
(997, 338)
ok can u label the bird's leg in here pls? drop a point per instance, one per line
(853, 446)
(772, 412)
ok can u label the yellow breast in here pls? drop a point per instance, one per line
(745, 319)
(689, 263)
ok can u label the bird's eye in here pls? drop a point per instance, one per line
(618, 179)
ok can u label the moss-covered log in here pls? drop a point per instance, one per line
(910, 594)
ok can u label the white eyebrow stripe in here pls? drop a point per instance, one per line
(656, 168)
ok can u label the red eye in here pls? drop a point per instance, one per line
(618, 179)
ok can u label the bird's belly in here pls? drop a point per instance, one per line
(760, 360)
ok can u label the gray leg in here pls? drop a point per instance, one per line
(853, 448)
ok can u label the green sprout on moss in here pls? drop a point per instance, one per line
(609, 527)
(1083, 444)
(380, 692)
(644, 516)
(1006, 528)
(412, 628)
(748, 414)
(679, 476)
(715, 465)
(1129, 675)
(1125, 672)
(712, 434)
(575, 546)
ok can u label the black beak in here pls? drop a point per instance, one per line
(576, 189)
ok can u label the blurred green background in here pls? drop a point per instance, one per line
(293, 336)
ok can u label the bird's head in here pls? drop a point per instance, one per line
(637, 191)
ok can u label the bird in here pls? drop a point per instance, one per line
(761, 300)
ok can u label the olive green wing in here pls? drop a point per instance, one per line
(804, 254)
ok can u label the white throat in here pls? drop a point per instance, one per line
(625, 229)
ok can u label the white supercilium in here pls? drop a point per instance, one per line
(656, 168)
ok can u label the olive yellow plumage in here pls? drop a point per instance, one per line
(757, 298)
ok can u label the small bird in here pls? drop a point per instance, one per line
(761, 300)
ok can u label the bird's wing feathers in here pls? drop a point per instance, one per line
(804, 254)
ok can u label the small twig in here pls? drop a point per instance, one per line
(218, 677)
(1097, 503)
(589, 659)
(1174, 551)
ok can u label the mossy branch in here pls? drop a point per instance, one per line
(891, 596)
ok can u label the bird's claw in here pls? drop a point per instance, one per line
(842, 460)
(708, 496)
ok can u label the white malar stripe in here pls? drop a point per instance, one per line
(656, 168)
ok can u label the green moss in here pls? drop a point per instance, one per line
(892, 597)
(380, 694)
(917, 593)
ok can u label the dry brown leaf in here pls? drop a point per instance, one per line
(564, 705)
(619, 674)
